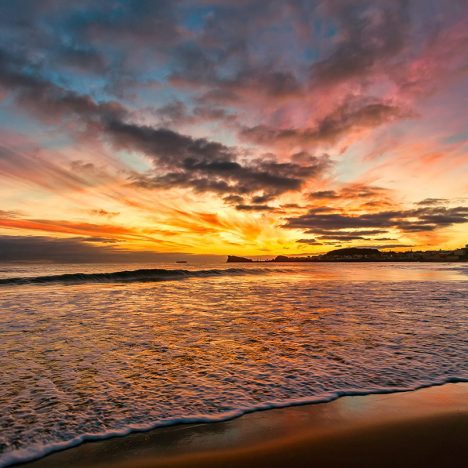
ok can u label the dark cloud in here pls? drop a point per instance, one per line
(133, 22)
(440, 216)
(342, 237)
(224, 51)
(261, 199)
(223, 63)
(362, 191)
(418, 220)
(353, 114)
(211, 167)
(233, 199)
(179, 160)
(386, 246)
(293, 206)
(371, 33)
(359, 232)
(177, 113)
(199, 70)
(315, 219)
(248, 48)
(309, 241)
(112, 39)
(50, 101)
(323, 194)
(97, 239)
(432, 201)
(255, 208)
(351, 191)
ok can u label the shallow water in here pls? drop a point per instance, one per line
(93, 357)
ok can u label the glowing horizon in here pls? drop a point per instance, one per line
(248, 128)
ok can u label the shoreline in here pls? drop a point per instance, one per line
(360, 425)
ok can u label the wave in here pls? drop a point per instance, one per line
(127, 276)
(23, 456)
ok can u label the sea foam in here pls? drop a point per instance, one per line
(90, 362)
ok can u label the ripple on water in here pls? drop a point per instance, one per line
(90, 359)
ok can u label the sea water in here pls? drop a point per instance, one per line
(88, 352)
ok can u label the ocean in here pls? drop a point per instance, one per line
(88, 352)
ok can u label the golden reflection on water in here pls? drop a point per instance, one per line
(92, 358)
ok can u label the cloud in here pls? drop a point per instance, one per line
(222, 174)
(108, 231)
(371, 33)
(342, 237)
(323, 195)
(360, 232)
(80, 250)
(309, 241)
(8, 214)
(223, 63)
(417, 220)
(104, 213)
(209, 166)
(350, 192)
(51, 102)
(21, 160)
(354, 114)
(179, 160)
(177, 113)
(355, 190)
(112, 40)
(386, 246)
(432, 201)
(255, 208)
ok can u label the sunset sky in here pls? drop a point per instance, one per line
(243, 127)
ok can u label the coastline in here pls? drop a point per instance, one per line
(426, 427)
(367, 254)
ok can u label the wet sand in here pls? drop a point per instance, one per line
(427, 427)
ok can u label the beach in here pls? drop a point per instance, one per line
(426, 427)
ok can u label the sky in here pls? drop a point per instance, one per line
(150, 129)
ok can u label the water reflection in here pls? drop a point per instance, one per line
(95, 358)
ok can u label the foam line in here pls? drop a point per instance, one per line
(35, 453)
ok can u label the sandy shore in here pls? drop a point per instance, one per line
(427, 427)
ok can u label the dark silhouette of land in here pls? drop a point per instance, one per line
(357, 254)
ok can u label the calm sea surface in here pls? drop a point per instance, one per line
(95, 355)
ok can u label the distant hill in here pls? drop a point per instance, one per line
(352, 251)
(234, 259)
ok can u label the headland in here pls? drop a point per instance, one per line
(357, 254)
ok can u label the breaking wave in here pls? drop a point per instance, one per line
(127, 276)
